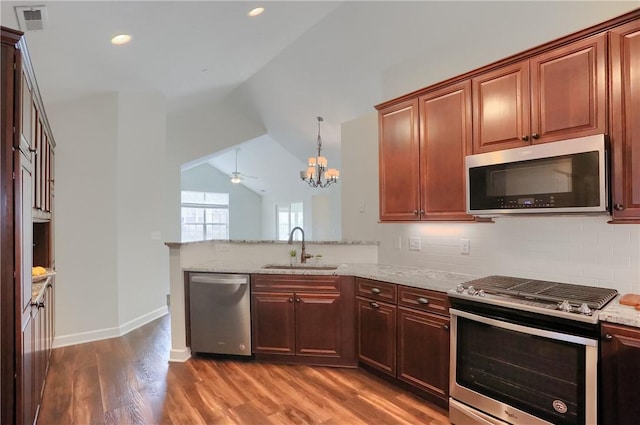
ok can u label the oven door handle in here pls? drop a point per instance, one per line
(525, 329)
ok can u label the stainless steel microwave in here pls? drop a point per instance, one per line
(560, 177)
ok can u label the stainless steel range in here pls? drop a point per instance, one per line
(524, 351)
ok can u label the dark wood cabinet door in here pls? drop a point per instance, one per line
(445, 139)
(620, 373)
(377, 335)
(26, 397)
(24, 248)
(625, 121)
(318, 324)
(568, 91)
(399, 162)
(273, 323)
(423, 351)
(501, 108)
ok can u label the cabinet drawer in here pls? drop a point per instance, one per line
(292, 283)
(376, 290)
(423, 299)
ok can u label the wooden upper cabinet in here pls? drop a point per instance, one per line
(399, 161)
(556, 95)
(501, 108)
(625, 121)
(445, 139)
(568, 91)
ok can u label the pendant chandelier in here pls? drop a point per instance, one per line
(317, 175)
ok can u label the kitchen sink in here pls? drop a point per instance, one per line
(299, 267)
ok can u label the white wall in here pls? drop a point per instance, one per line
(245, 206)
(583, 250)
(85, 218)
(111, 206)
(143, 261)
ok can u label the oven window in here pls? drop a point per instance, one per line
(537, 375)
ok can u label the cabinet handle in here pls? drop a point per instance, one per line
(297, 300)
(421, 212)
(445, 327)
(41, 304)
(415, 212)
(535, 136)
(34, 150)
(618, 207)
(422, 300)
(374, 304)
(290, 299)
(608, 337)
(375, 291)
(525, 138)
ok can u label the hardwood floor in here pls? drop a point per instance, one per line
(128, 380)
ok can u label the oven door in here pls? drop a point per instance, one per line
(518, 374)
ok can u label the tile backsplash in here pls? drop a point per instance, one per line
(581, 250)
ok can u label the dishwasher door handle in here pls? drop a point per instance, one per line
(217, 280)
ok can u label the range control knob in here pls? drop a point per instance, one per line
(481, 293)
(471, 290)
(584, 309)
(565, 306)
(459, 288)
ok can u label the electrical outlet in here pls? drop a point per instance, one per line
(464, 246)
(397, 242)
(361, 207)
(415, 244)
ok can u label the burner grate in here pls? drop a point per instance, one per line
(594, 297)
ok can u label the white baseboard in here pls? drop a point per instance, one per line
(90, 336)
(180, 356)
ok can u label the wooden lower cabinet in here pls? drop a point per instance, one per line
(37, 339)
(303, 319)
(273, 323)
(406, 336)
(619, 375)
(423, 351)
(377, 334)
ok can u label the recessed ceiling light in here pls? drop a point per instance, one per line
(121, 39)
(257, 11)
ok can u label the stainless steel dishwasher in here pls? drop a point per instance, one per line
(220, 313)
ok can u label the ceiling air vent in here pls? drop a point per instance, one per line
(31, 18)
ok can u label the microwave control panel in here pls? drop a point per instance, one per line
(526, 202)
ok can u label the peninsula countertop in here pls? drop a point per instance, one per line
(436, 280)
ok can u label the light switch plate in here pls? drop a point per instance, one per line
(464, 246)
(415, 244)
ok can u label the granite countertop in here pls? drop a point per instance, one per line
(615, 312)
(409, 276)
(37, 288)
(241, 241)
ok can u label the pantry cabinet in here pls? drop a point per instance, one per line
(556, 95)
(303, 319)
(619, 370)
(26, 234)
(625, 122)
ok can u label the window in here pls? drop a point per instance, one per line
(205, 216)
(288, 217)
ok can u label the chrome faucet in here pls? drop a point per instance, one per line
(303, 254)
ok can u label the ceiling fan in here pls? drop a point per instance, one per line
(236, 176)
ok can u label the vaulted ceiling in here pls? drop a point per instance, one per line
(296, 61)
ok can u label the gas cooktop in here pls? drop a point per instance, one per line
(553, 298)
